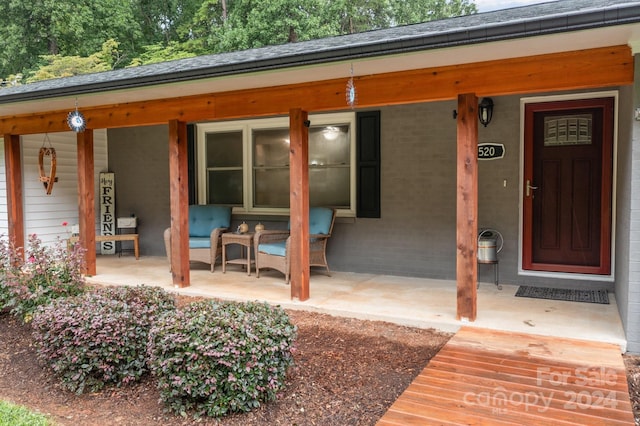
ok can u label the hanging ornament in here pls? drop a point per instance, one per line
(76, 120)
(48, 152)
(351, 94)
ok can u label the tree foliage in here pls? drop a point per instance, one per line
(31, 29)
(54, 38)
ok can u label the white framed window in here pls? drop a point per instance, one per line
(245, 164)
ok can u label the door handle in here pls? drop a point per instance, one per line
(529, 188)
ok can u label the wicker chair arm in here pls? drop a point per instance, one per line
(268, 236)
(216, 233)
(319, 236)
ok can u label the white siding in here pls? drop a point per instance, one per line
(44, 214)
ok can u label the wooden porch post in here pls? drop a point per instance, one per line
(467, 207)
(15, 212)
(299, 203)
(179, 199)
(86, 198)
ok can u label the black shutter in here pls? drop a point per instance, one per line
(191, 159)
(368, 164)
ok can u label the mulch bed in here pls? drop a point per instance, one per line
(347, 372)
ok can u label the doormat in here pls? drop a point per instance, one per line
(587, 296)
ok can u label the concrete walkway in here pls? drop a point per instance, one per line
(417, 302)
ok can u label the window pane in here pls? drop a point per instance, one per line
(224, 149)
(329, 145)
(225, 187)
(271, 147)
(329, 187)
(271, 188)
(568, 130)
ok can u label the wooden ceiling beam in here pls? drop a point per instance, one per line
(592, 68)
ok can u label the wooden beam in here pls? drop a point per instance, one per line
(86, 198)
(467, 207)
(299, 202)
(13, 172)
(602, 67)
(179, 199)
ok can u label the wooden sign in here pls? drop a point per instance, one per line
(107, 211)
(490, 151)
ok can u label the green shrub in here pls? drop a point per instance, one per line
(42, 274)
(214, 358)
(100, 337)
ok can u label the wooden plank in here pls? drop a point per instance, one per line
(468, 384)
(86, 198)
(467, 207)
(540, 370)
(537, 346)
(559, 401)
(299, 203)
(601, 67)
(13, 172)
(179, 200)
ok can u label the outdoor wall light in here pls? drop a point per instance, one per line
(485, 111)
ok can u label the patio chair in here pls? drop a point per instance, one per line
(207, 223)
(272, 247)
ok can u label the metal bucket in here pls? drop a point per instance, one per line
(488, 246)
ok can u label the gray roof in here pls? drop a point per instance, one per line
(521, 22)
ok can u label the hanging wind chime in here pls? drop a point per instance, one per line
(351, 94)
(76, 120)
(47, 151)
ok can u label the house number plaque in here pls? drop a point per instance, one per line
(490, 151)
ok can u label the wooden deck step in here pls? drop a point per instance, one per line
(488, 377)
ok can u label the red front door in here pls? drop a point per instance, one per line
(567, 186)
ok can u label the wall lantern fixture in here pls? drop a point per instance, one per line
(485, 111)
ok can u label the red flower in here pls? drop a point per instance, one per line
(65, 223)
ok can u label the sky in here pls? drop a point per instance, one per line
(488, 5)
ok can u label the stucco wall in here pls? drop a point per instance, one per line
(139, 157)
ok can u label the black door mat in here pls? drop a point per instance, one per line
(587, 296)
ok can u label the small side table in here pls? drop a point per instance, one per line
(244, 240)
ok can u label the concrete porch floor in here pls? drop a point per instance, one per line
(416, 302)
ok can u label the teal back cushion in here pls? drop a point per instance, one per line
(319, 220)
(205, 218)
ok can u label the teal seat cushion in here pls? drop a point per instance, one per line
(199, 242)
(205, 218)
(276, 249)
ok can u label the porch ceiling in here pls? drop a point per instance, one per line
(562, 42)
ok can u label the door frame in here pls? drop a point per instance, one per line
(568, 97)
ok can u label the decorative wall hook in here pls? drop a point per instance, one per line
(76, 120)
(47, 151)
